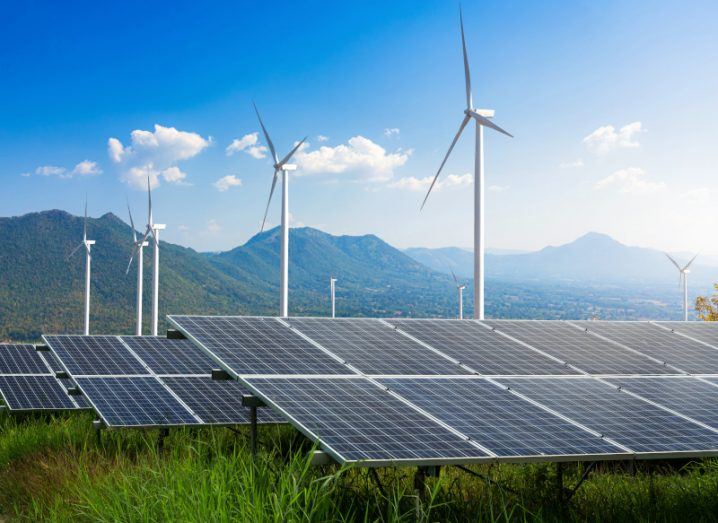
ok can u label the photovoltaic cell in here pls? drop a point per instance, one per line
(21, 359)
(579, 348)
(679, 351)
(497, 419)
(257, 345)
(94, 355)
(630, 421)
(356, 421)
(482, 349)
(167, 356)
(705, 331)
(52, 362)
(687, 395)
(374, 347)
(218, 401)
(34, 393)
(135, 402)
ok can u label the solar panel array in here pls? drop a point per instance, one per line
(28, 382)
(439, 391)
(151, 382)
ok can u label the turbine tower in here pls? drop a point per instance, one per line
(481, 118)
(281, 166)
(137, 250)
(683, 278)
(332, 289)
(153, 229)
(460, 288)
(87, 244)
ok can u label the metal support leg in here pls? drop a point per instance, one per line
(487, 479)
(559, 483)
(161, 439)
(97, 425)
(584, 476)
(419, 489)
(375, 476)
(253, 430)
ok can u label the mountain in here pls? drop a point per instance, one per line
(42, 292)
(591, 259)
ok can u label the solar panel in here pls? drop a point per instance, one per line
(374, 347)
(482, 349)
(632, 422)
(94, 355)
(256, 345)
(34, 393)
(501, 421)
(687, 395)
(51, 360)
(21, 359)
(168, 356)
(135, 402)
(355, 420)
(705, 331)
(580, 349)
(679, 351)
(217, 401)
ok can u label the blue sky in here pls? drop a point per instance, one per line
(612, 105)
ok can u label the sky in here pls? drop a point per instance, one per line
(612, 105)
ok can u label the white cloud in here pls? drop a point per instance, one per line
(411, 183)
(52, 170)
(248, 144)
(631, 180)
(87, 168)
(25, 175)
(499, 188)
(183, 228)
(213, 226)
(393, 131)
(359, 157)
(697, 196)
(224, 183)
(576, 164)
(155, 153)
(606, 139)
(322, 138)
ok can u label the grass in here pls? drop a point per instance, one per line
(53, 469)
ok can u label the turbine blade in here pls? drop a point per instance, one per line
(266, 135)
(132, 256)
(149, 202)
(454, 275)
(271, 192)
(673, 261)
(451, 148)
(467, 74)
(74, 251)
(132, 224)
(84, 230)
(488, 123)
(689, 263)
(291, 153)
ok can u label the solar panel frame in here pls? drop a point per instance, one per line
(373, 347)
(701, 331)
(471, 342)
(579, 349)
(678, 351)
(265, 389)
(620, 415)
(239, 356)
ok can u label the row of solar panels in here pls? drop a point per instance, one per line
(440, 391)
(136, 382)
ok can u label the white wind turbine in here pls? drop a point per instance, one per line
(481, 118)
(281, 166)
(460, 288)
(137, 250)
(153, 229)
(87, 244)
(332, 290)
(683, 278)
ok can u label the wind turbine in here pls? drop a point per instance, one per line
(281, 166)
(153, 229)
(87, 244)
(481, 118)
(683, 278)
(460, 287)
(332, 289)
(137, 250)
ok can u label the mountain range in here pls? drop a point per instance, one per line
(42, 291)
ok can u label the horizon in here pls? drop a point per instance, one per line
(597, 148)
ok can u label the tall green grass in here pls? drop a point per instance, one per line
(52, 469)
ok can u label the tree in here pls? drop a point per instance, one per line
(707, 306)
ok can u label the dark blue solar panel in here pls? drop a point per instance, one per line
(34, 393)
(20, 359)
(169, 356)
(94, 355)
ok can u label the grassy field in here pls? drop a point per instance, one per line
(54, 469)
